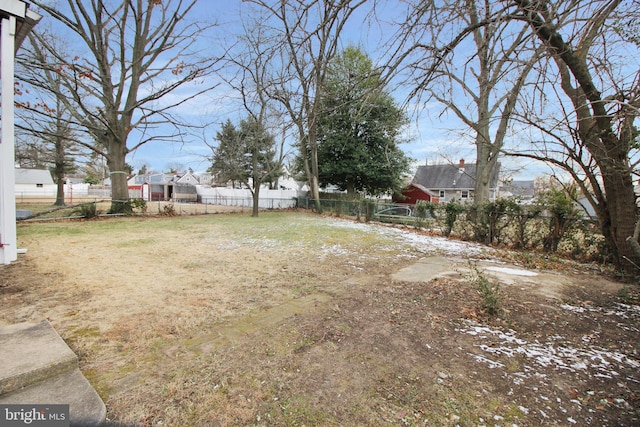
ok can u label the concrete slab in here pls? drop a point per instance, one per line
(23, 213)
(426, 269)
(37, 367)
(32, 352)
(548, 284)
(70, 388)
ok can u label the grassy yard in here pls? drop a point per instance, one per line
(298, 319)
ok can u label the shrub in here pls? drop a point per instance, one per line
(169, 210)
(421, 213)
(489, 219)
(368, 207)
(120, 208)
(128, 207)
(138, 204)
(444, 215)
(87, 210)
(451, 212)
(490, 295)
(562, 214)
(522, 218)
(337, 210)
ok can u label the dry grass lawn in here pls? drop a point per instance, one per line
(298, 319)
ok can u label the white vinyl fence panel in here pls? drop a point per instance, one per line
(269, 199)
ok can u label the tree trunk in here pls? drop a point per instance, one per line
(315, 193)
(118, 173)
(59, 171)
(633, 240)
(313, 182)
(257, 182)
(484, 166)
(59, 160)
(59, 192)
(351, 190)
(618, 218)
(256, 199)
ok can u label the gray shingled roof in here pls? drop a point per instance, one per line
(445, 177)
(33, 176)
(525, 189)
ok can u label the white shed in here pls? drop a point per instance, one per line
(34, 182)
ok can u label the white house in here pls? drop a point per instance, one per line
(34, 182)
(187, 178)
(16, 21)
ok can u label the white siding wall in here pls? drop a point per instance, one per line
(34, 190)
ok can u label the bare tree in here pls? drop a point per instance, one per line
(31, 151)
(580, 38)
(478, 74)
(251, 154)
(305, 36)
(134, 54)
(50, 146)
(44, 121)
(575, 36)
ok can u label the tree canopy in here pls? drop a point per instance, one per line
(228, 158)
(302, 37)
(359, 129)
(123, 76)
(246, 155)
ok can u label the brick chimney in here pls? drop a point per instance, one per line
(461, 165)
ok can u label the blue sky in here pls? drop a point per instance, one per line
(432, 135)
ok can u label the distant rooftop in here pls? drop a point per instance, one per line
(33, 176)
(452, 176)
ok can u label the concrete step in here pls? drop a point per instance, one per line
(37, 367)
(32, 352)
(69, 388)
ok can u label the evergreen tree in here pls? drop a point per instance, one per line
(246, 155)
(95, 170)
(359, 129)
(228, 157)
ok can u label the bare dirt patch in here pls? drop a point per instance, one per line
(295, 319)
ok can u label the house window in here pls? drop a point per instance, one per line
(39, 185)
(442, 194)
(464, 194)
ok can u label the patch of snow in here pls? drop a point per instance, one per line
(623, 311)
(492, 364)
(334, 250)
(629, 308)
(422, 243)
(512, 271)
(573, 308)
(548, 354)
